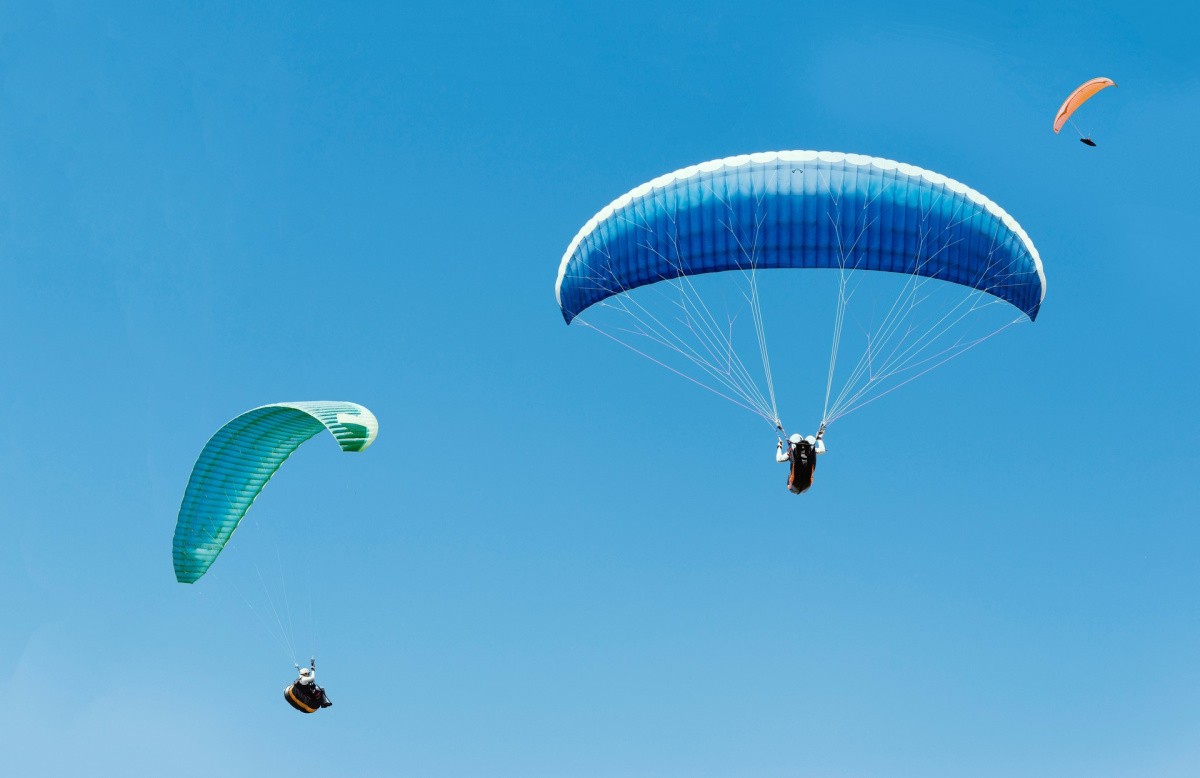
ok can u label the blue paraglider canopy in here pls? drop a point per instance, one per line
(931, 264)
(801, 209)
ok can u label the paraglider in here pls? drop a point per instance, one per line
(1078, 97)
(303, 694)
(233, 468)
(802, 453)
(653, 269)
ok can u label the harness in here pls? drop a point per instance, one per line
(804, 463)
(295, 701)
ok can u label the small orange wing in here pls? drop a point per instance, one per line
(1077, 98)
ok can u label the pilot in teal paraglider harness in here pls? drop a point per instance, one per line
(303, 694)
(802, 452)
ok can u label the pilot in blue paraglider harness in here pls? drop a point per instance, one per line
(303, 694)
(802, 452)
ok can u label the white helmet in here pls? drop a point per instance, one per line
(307, 676)
(811, 440)
(796, 438)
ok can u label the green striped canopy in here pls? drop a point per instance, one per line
(237, 462)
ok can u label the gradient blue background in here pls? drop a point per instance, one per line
(558, 559)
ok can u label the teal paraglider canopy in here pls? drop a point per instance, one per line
(237, 462)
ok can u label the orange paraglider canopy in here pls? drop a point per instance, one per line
(1077, 98)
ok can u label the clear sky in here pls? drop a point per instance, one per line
(558, 559)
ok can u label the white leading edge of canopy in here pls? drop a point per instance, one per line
(796, 156)
(362, 416)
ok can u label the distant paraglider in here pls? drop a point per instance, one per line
(1081, 95)
(303, 694)
(233, 468)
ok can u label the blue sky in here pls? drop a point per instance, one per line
(557, 560)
